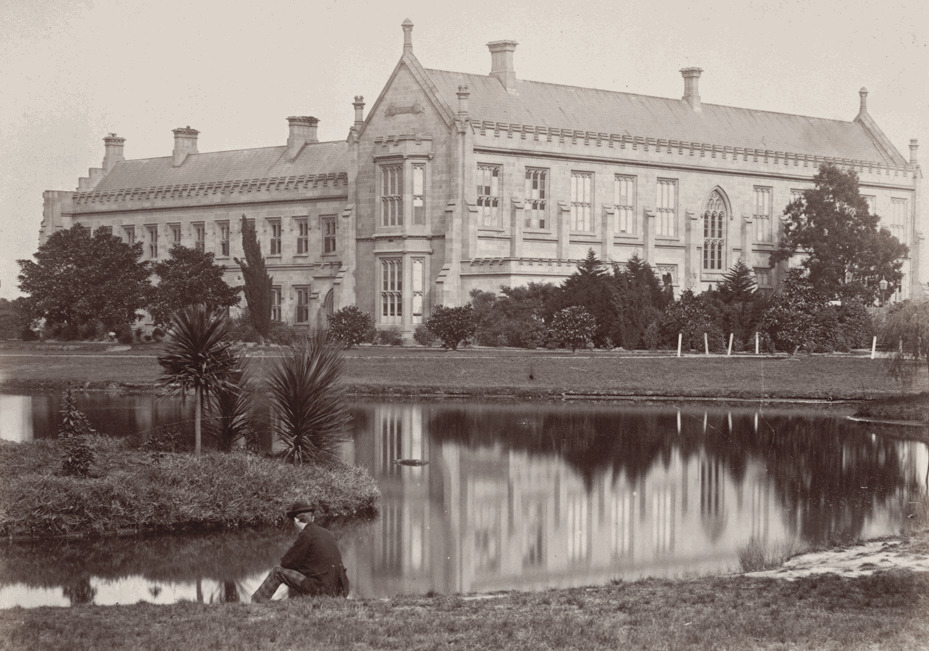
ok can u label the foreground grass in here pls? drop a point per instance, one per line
(492, 372)
(827, 612)
(135, 490)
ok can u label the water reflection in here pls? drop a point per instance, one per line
(527, 497)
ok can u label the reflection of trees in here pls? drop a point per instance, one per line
(828, 474)
(79, 591)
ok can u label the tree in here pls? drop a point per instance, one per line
(188, 277)
(591, 287)
(257, 280)
(738, 305)
(308, 402)
(350, 326)
(79, 278)
(574, 327)
(198, 356)
(845, 251)
(638, 299)
(791, 320)
(452, 324)
(906, 329)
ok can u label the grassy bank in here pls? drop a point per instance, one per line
(134, 490)
(512, 373)
(827, 612)
(908, 408)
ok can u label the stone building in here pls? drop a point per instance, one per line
(459, 181)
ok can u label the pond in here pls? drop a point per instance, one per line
(513, 496)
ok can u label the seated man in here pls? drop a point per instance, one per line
(312, 565)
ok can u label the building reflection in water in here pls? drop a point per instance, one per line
(526, 498)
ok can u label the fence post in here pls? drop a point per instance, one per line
(679, 337)
(729, 352)
(706, 343)
(757, 343)
(874, 347)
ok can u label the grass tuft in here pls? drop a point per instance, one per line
(759, 555)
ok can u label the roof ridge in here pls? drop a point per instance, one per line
(658, 97)
(226, 151)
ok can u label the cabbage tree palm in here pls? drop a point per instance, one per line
(198, 356)
(310, 416)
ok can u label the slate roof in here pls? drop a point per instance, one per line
(555, 106)
(216, 167)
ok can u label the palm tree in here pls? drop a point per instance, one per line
(308, 405)
(198, 356)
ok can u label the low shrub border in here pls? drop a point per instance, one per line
(131, 490)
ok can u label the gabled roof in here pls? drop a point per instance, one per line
(555, 106)
(217, 167)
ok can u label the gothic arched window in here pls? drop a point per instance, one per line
(714, 233)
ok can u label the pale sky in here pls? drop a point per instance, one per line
(73, 71)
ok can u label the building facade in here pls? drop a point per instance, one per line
(455, 181)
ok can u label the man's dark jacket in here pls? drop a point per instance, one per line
(315, 554)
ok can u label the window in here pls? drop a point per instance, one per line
(624, 204)
(714, 233)
(327, 224)
(419, 194)
(581, 198)
(391, 290)
(392, 195)
(275, 226)
(536, 198)
(418, 268)
(763, 277)
(175, 234)
(223, 228)
(488, 195)
(303, 235)
(898, 219)
(152, 232)
(303, 304)
(275, 303)
(104, 229)
(764, 231)
(667, 274)
(199, 236)
(129, 234)
(667, 208)
(796, 194)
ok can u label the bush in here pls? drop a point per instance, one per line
(283, 334)
(349, 326)
(574, 327)
(158, 334)
(124, 334)
(424, 336)
(73, 421)
(453, 325)
(242, 329)
(389, 337)
(77, 457)
(28, 334)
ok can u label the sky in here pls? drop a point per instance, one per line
(72, 71)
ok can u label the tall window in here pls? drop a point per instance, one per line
(488, 195)
(275, 246)
(223, 228)
(418, 281)
(392, 195)
(624, 203)
(303, 304)
(303, 236)
(275, 303)
(327, 225)
(391, 290)
(714, 233)
(129, 234)
(667, 208)
(581, 201)
(175, 234)
(898, 218)
(199, 236)
(152, 240)
(536, 198)
(763, 277)
(764, 230)
(419, 194)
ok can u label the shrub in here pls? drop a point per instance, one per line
(424, 336)
(389, 337)
(28, 334)
(574, 327)
(73, 421)
(349, 326)
(77, 457)
(283, 334)
(158, 334)
(124, 334)
(241, 328)
(452, 325)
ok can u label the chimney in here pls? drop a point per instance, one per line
(185, 143)
(863, 101)
(113, 148)
(914, 145)
(501, 62)
(302, 132)
(463, 95)
(692, 87)
(359, 105)
(407, 26)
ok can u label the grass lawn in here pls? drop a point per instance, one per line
(887, 611)
(489, 372)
